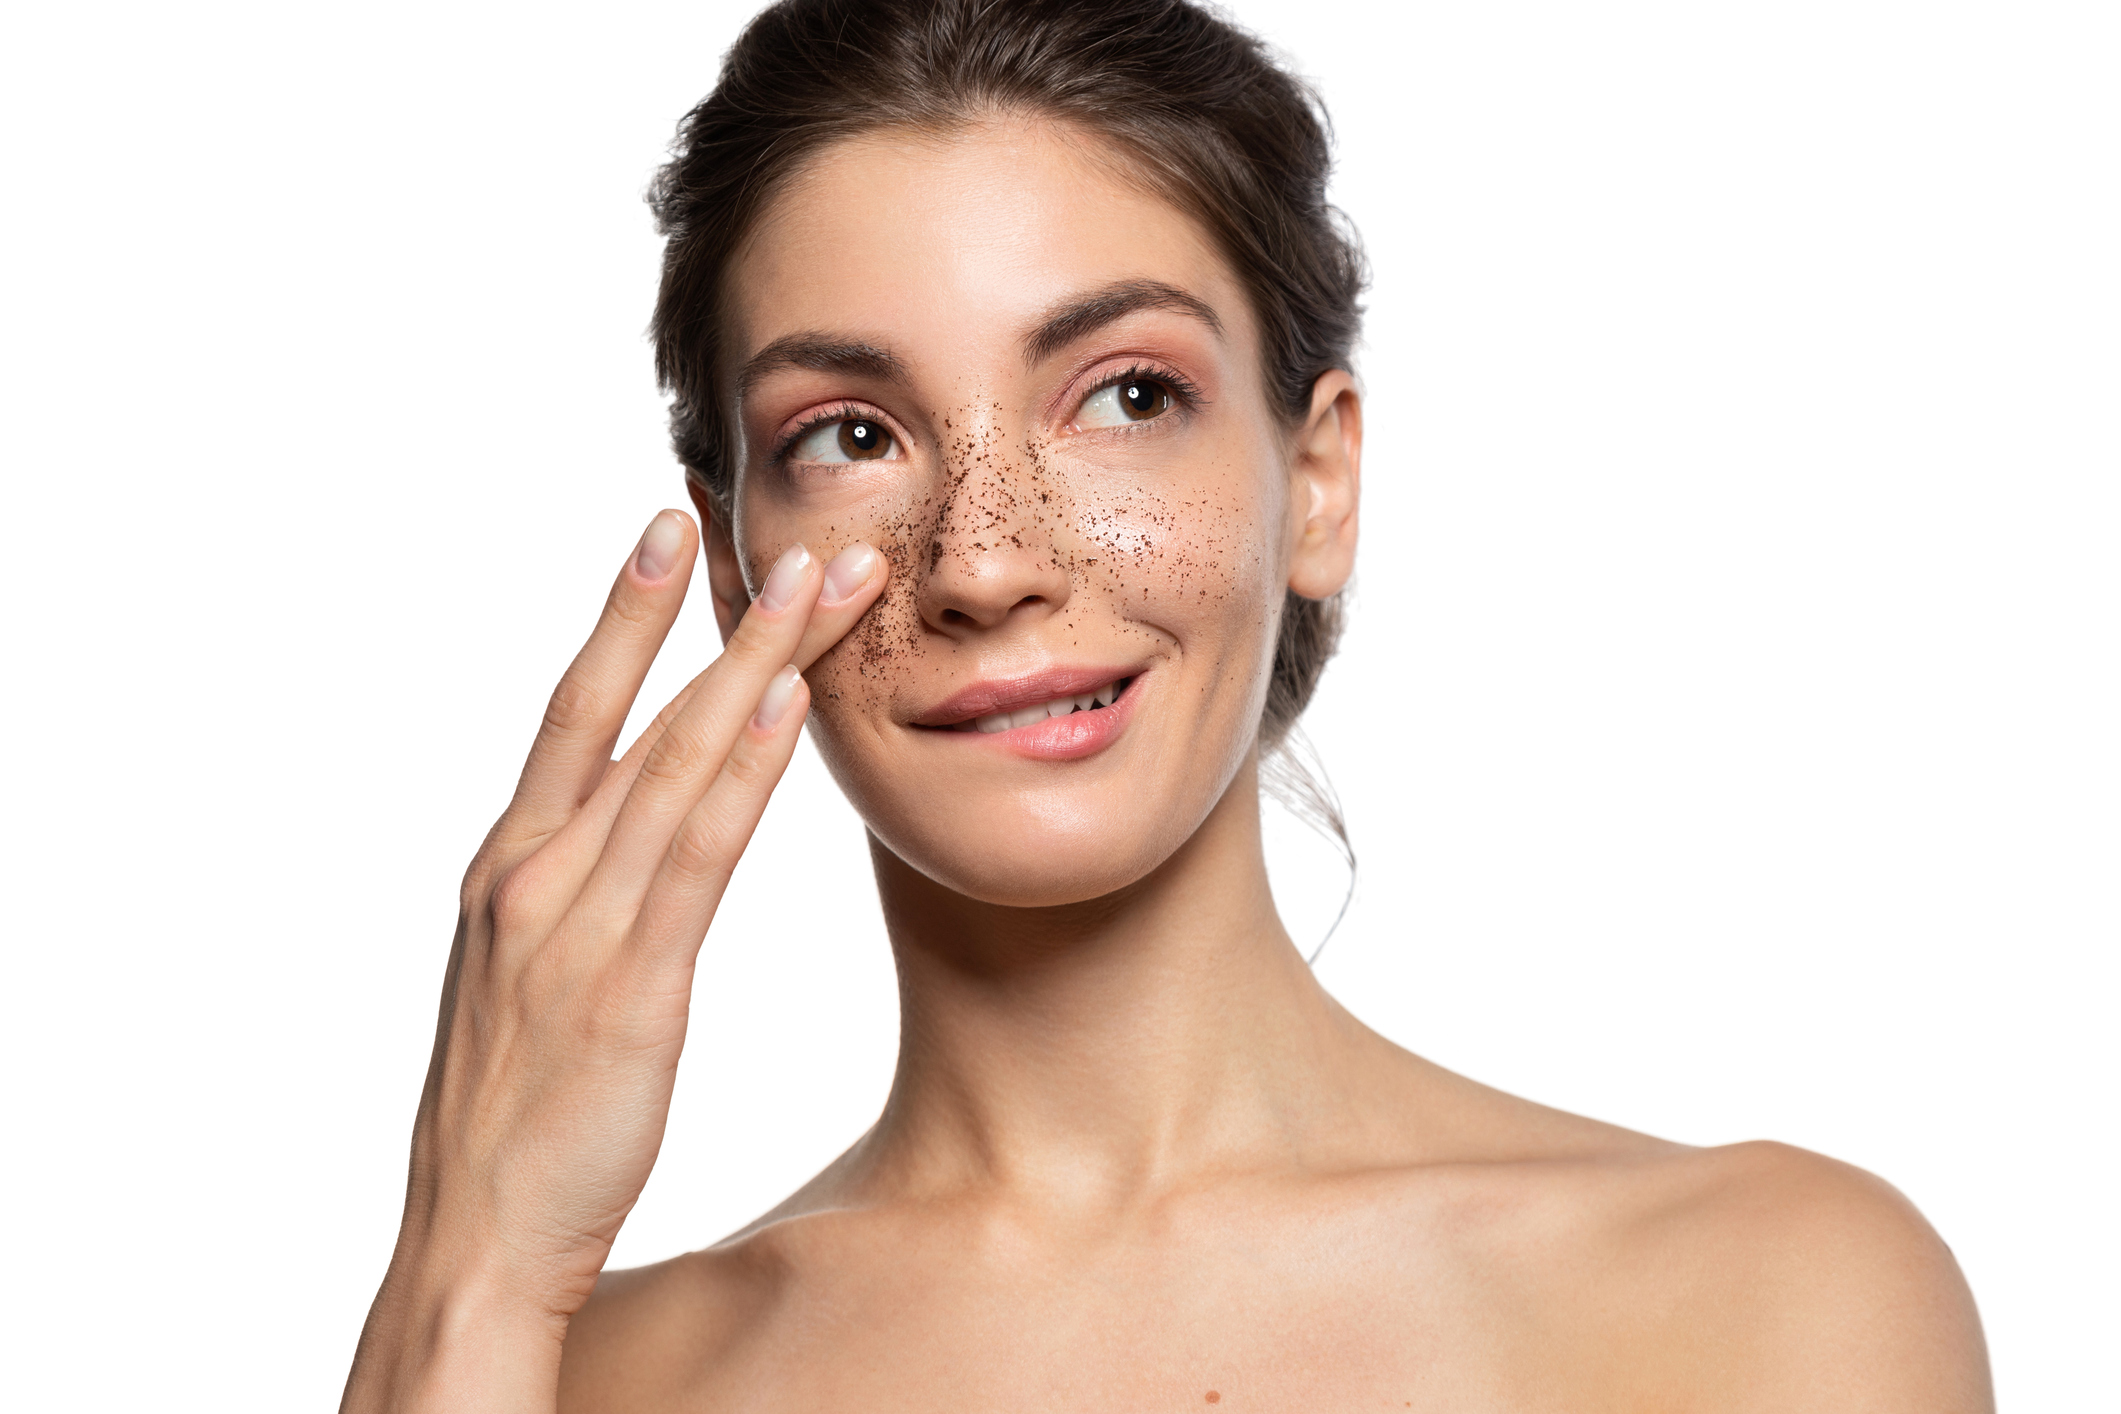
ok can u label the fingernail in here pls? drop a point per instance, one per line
(850, 570)
(773, 703)
(660, 544)
(787, 577)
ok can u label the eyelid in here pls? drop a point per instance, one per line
(1184, 391)
(839, 412)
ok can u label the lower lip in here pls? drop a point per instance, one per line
(1068, 738)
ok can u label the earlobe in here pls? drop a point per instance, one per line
(725, 575)
(1328, 473)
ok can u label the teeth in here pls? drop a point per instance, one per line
(1058, 707)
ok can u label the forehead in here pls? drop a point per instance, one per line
(952, 244)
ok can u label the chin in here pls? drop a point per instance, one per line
(1073, 833)
(1022, 863)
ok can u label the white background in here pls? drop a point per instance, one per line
(1727, 725)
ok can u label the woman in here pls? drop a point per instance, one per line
(1011, 354)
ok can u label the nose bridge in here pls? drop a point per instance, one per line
(992, 554)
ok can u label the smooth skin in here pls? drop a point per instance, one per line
(1134, 1157)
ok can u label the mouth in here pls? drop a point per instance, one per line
(1005, 704)
(1096, 700)
(1062, 714)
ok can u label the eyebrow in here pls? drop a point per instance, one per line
(1081, 315)
(820, 353)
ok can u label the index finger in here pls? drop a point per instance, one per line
(676, 770)
(588, 708)
(852, 582)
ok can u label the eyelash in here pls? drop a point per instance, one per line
(1182, 390)
(844, 412)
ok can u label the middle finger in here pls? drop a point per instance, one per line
(646, 796)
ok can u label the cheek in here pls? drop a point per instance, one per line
(1190, 557)
(856, 673)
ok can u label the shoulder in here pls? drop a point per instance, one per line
(1786, 1278)
(1750, 1276)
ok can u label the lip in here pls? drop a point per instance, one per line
(1008, 694)
(1064, 738)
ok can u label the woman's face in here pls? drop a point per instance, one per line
(1038, 391)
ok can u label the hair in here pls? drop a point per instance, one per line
(1222, 131)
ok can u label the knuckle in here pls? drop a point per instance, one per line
(746, 770)
(633, 614)
(677, 703)
(575, 707)
(477, 885)
(676, 757)
(700, 850)
(495, 854)
(518, 901)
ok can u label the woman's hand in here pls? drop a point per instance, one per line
(565, 1004)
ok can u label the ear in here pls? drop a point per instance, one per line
(725, 575)
(1327, 485)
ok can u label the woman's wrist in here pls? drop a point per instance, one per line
(450, 1335)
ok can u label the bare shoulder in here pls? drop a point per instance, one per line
(1819, 1281)
(1755, 1275)
(1760, 1275)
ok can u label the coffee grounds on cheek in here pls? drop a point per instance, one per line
(1127, 553)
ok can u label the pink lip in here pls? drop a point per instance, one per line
(1007, 694)
(1064, 738)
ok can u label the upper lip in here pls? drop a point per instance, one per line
(1006, 694)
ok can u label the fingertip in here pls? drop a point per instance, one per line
(779, 698)
(850, 573)
(661, 544)
(786, 579)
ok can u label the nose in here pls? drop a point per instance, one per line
(992, 559)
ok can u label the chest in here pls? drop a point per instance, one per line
(1239, 1323)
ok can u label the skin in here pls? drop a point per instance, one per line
(1134, 1156)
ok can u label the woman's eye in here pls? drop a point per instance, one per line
(1129, 400)
(853, 439)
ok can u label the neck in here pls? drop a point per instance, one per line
(1094, 1051)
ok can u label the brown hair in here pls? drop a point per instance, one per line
(1223, 132)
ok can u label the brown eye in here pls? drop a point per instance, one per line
(1143, 398)
(863, 440)
(1128, 400)
(850, 439)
